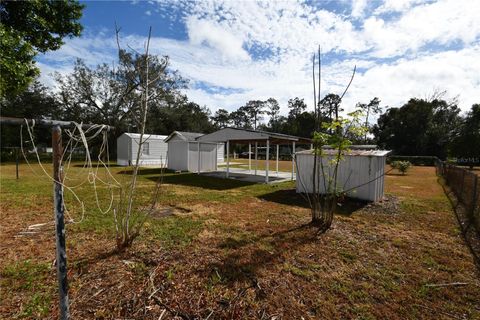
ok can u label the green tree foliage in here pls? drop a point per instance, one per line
(297, 106)
(466, 144)
(112, 95)
(181, 116)
(221, 119)
(34, 103)
(299, 121)
(273, 111)
(254, 109)
(330, 108)
(29, 27)
(241, 118)
(418, 128)
(371, 108)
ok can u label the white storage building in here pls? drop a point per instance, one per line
(154, 151)
(186, 153)
(360, 172)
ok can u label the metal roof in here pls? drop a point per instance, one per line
(146, 136)
(352, 152)
(246, 135)
(186, 136)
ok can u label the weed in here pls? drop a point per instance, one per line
(307, 274)
(38, 306)
(25, 274)
(175, 230)
(347, 256)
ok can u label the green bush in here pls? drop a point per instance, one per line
(414, 160)
(401, 166)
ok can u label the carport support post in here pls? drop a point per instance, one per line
(293, 158)
(267, 159)
(249, 158)
(198, 154)
(59, 222)
(256, 157)
(228, 159)
(278, 147)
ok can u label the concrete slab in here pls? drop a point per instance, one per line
(249, 176)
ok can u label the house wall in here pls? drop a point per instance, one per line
(157, 152)
(127, 151)
(363, 173)
(177, 155)
(208, 157)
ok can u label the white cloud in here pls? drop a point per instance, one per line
(358, 8)
(453, 71)
(212, 34)
(224, 36)
(442, 23)
(397, 6)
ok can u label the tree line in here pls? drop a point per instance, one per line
(110, 94)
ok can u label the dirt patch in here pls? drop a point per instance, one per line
(166, 211)
(389, 205)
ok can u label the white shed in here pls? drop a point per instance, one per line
(360, 173)
(186, 153)
(154, 151)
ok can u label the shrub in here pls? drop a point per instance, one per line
(401, 166)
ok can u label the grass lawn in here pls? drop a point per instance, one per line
(233, 250)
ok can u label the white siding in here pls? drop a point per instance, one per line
(127, 147)
(208, 157)
(362, 173)
(178, 155)
(220, 153)
(193, 156)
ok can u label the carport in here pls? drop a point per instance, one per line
(255, 138)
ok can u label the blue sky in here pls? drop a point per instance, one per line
(234, 51)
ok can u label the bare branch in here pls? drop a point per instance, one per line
(351, 79)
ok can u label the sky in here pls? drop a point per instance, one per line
(235, 51)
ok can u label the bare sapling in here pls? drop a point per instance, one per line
(129, 215)
(330, 143)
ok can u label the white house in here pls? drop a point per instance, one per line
(360, 172)
(154, 149)
(186, 153)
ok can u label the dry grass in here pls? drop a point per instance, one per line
(233, 250)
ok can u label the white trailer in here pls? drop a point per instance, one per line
(154, 149)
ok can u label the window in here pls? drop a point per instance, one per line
(146, 148)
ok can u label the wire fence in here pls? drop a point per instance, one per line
(465, 185)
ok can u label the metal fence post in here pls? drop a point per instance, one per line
(60, 223)
(16, 162)
(474, 196)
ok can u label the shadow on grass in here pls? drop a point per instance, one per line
(147, 171)
(201, 181)
(346, 206)
(244, 261)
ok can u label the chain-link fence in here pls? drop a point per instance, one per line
(466, 186)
